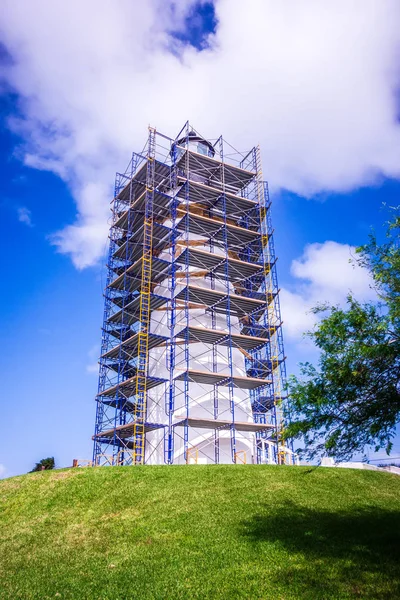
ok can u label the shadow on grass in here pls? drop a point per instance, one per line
(349, 554)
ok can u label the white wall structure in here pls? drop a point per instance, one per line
(204, 403)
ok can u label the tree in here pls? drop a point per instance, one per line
(352, 400)
(44, 465)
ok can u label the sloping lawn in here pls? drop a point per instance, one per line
(240, 531)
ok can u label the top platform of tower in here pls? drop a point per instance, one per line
(217, 171)
(193, 158)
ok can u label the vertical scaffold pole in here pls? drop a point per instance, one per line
(170, 400)
(186, 300)
(105, 335)
(121, 455)
(228, 310)
(144, 311)
(278, 348)
(271, 291)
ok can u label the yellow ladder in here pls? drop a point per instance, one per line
(140, 409)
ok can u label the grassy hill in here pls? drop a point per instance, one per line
(251, 532)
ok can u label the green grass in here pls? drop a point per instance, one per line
(251, 532)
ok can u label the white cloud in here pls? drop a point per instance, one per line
(314, 82)
(2, 471)
(324, 273)
(25, 216)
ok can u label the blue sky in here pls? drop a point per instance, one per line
(60, 146)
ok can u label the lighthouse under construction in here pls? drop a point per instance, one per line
(192, 365)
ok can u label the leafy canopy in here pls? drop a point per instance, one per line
(44, 465)
(352, 400)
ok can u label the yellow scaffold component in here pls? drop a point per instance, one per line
(139, 413)
(124, 457)
(192, 456)
(82, 462)
(281, 457)
(241, 456)
(103, 459)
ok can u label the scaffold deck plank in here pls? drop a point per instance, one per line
(130, 279)
(211, 169)
(124, 432)
(223, 379)
(129, 347)
(161, 175)
(120, 404)
(222, 338)
(264, 403)
(199, 423)
(237, 237)
(132, 248)
(259, 330)
(161, 208)
(200, 192)
(237, 269)
(130, 313)
(127, 388)
(239, 305)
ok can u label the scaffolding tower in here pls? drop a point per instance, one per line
(192, 364)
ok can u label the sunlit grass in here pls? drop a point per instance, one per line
(285, 533)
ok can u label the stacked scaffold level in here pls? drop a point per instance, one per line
(192, 366)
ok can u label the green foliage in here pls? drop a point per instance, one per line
(383, 260)
(352, 400)
(44, 465)
(196, 532)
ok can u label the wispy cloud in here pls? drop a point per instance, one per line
(314, 83)
(25, 216)
(324, 273)
(3, 471)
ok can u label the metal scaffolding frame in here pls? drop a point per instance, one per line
(209, 214)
